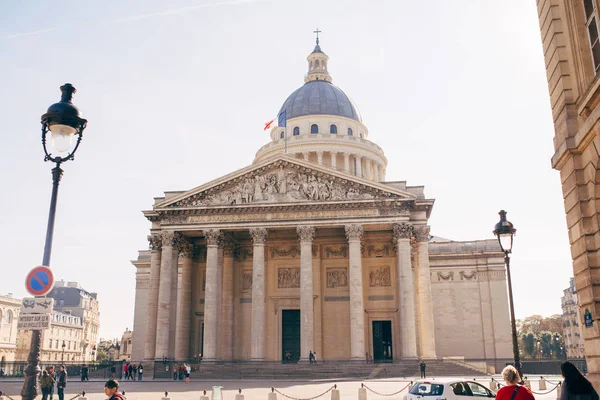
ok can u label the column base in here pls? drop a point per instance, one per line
(410, 358)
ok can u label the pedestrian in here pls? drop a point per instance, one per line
(111, 389)
(84, 373)
(310, 357)
(575, 385)
(512, 390)
(188, 372)
(423, 367)
(113, 373)
(125, 371)
(181, 372)
(314, 357)
(61, 382)
(140, 372)
(134, 374)
(53, 376)
(46, 383)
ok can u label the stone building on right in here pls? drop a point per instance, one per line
(571, 45)
(570, 322)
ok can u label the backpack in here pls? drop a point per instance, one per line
(46, 382)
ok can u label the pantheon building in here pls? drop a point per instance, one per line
(313, 248)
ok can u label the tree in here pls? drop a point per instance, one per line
(101, 356)
(529, 341)
(541, 336)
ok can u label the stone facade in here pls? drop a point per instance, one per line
(232, 260)
(572, 334)
(63, 342)
(9, 315)
(572, 63)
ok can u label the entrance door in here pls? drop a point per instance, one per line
(382, 341)
(290, 335)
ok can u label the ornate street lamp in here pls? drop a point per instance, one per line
(63, 120)
(62, 359)
(505, 232)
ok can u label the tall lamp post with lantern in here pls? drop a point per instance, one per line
(63, 121)
(505, 232)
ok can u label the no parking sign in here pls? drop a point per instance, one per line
(39, 281)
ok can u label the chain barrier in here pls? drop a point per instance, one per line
(273, 390)
(550, 391)
(550, 382)
(82, 394)
(499, 383)
(5, 395)
(386, 395)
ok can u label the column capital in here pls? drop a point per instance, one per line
(422, 233)
(171, 238)
(187, 249)
(213, 237)
(306, 233)
(403, 230)
(155, 241)
(259, 235)
(333, 153)
(354, 232)
(230, 247)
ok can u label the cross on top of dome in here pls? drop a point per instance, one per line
(317, 47)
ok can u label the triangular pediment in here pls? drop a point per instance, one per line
(283, 180)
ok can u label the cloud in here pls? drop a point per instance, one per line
(134, 18)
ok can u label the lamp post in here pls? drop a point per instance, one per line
(505, 231)
(64, 122)
(62, 357)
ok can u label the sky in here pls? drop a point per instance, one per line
(177, 93)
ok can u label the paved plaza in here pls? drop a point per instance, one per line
(150, 390)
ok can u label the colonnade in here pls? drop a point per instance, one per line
(168, 327)
(354, 164)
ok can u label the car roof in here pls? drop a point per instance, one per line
(443, 381)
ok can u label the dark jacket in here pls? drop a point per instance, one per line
(62, 379)
(117, 396)
(566, 394)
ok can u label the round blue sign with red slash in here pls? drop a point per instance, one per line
(39, 281)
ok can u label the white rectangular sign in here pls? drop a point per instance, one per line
(40, 305)
(34, 322)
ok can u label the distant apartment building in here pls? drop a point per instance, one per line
(571, 322)
(71, 298)
(61, 343)
(111, 348)
(9, 314)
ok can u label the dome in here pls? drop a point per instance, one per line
(320, 97)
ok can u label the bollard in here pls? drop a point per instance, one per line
(166, 396)
(272, 395)
(82, 397)
(335, 393)
(558, 391)
(542, 383)
(239, 396)
(1, 398)
(362, 393)
(527, 383)
(204, 396)
(494, 386)
(216, 393)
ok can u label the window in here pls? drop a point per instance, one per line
(460, 389)
(427, 389)
(50, 345)
(8, 317)
(333, 129)
(591, 22)
(479, 390)
(314, 128)
(296, 131)
(349, 131)
(282, 134)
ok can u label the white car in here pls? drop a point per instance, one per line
(448, 389)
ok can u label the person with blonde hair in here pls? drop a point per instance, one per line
(512, 390)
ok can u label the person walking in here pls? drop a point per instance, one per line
(310, 357)
(187, 373)
(53, 376)
(46, 383)
(111, 389)
(61, 382)
(575, 385)
(140, 372)
(423, 367)
(84, 373)
(512, 390)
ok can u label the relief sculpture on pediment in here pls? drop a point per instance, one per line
(288, 278)
(337, 277)
(247, 280)
(278, 186)
(380, 277)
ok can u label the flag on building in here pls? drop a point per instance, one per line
(281, 119)
(268, 124)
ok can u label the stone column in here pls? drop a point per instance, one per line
(426, 323)
(334, 160)
(358, 162)
(406, 290)
(211, 294)
(367, 168)
(257, 352)
(155, 253)
(376, 172)
(184, 315)
(307, 336)
(229, 251)
(382, 174)
(174, 314)
(357, 310)
(165, 305)
(347, 162)
(320, 157)
(305, 155)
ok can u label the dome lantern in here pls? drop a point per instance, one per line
(317, 64)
